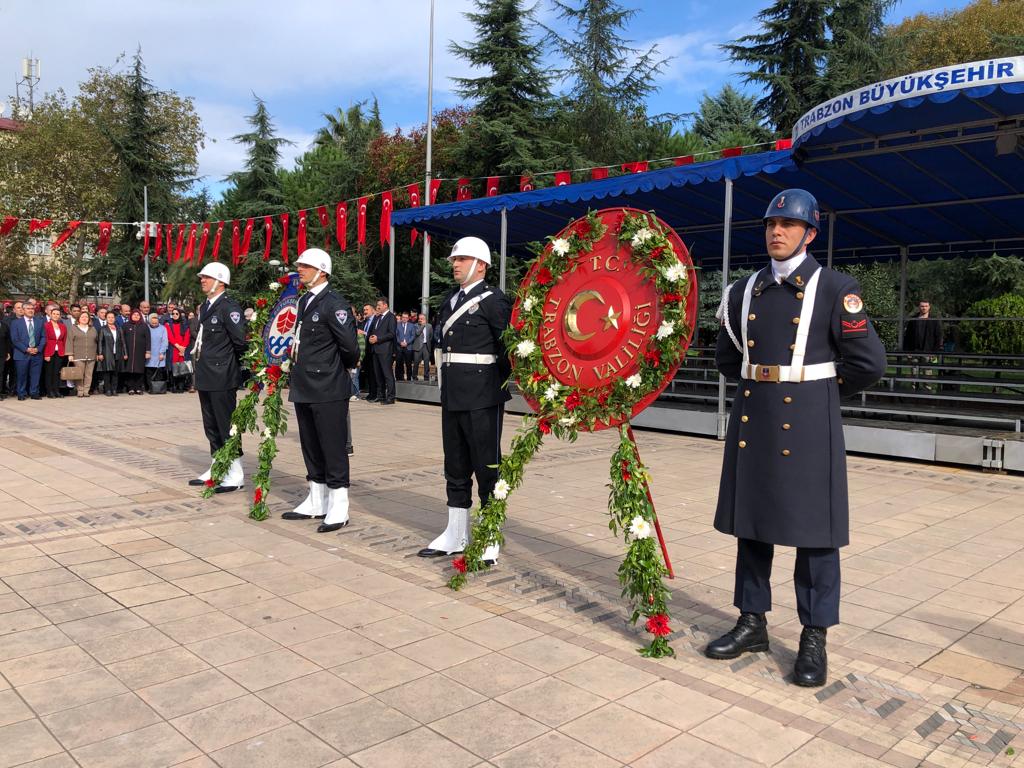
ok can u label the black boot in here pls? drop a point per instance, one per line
(811, 668)
(749, 635)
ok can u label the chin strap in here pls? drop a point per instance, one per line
(800, 245)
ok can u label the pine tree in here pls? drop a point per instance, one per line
(512, 102)
(729, 119)
(786, 57)
(859, 52)
(606, 116)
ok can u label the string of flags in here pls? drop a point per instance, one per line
(180, 242)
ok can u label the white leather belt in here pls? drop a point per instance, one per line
(787, 373)
(467, 359)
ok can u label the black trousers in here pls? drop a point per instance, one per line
(3, 373)
(217, 407)
(323, 435)
(472, 446)
(403, 368)
(815, 577)
(51, 375)
(367, 374)
(110, 382)
(385, 376)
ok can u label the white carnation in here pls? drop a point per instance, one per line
(675, 273)
(560, 246)
(525, 348)
(529, 303)
(640, 528)
(567, 420)
(267, 434)
(550, 393)
(233, 431)
(275, 286)
(633, 381)
(641, 236)
(286, 364)
(501, 489)
(666, 329)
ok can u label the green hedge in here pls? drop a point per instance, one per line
(996, 336)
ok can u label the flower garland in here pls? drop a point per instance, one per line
(564, 411)
(266, 379)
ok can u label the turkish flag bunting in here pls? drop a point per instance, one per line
(284, 237)
(463, 193)
(70, 230)
(159, 241)
(684, 160)
(167, 245)
(268, 235)
(492, 186)
(179, 243)
(246, 240)
(732, 152)
(9, 223)
(361, 220)
(145, 240)
(36, 224)
(435, 185)
(783, 144)
(385, 217)
(562, 178)
(302, 233)
(236, 231)
(104, 243)
(525, 183)
(598, 173)
(203, 238)
(190, 247)
(638, 167)
(414, 202)
(325, 224)
(341, 224)
(215, 251)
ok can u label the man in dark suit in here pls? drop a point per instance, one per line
(473, 372)
(798, 339)
(325, 347)
(421, 348)
(216, 353)
(382, 337)
(405, 335)
(366, 364)
(9, 384)
(28, 338)
(5, 348)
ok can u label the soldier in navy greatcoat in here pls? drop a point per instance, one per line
(473, 370)
(797, 338)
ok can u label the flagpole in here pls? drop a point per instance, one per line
(145, 259)
(425, 288)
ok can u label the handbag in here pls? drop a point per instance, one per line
(181, 368)
(158, 386)
(72, 372)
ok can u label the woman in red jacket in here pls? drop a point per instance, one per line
(54, 353)
(178, 336)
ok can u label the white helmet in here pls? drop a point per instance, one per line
(217, 271)
(316, 258)
(472, 247)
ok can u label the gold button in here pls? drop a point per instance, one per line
(750, 343)
(792, 347)
(799, 294)
(746, 393)
(751, 316)
(796, 321)
(785, 451)
(744, 419)
(787, 399)
(743, 443)
(839, 380)
(785, 426)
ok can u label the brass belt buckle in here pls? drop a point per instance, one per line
(766, 373)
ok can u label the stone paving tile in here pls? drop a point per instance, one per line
(606, 677)
(353, 727)
(430, 698)
(127, 645)
(310, 695)
(548, 654)
(409, 749)
(441, 652)
(619, 732)
(554, 750)
(291, 746)
(156, 745)
(489, 728)
(338, 648)
(81, 608)
(159, 667)
(747, 733)
(201, 627)
(25, 741)
(300, 629)
(102, 625)
(263, 612)
(380, 672)
(100, 720)
(30, 641)
(45, 578)
(228, 723)
(233, 647)
(71, 690)
(259, 672)
(689, 750)
(673, 704)
(551, 701)
(13, 709)
(497, 633)
(398, 631)
(46, 665)
(187, 694)
(493, 674)
(150, 593)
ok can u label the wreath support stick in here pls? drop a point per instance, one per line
(647, 489)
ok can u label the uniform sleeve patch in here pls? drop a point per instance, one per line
(236, 317)
(853, 326)
(853, 303)
(341, 316)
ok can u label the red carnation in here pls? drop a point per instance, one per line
(519, 323)
(459, 564)
(274, 372)
(656, 252)
(670, 297)
(538, 377)
(271, 388)
(544, 426)
(255, 386)
(572, 402)
(582, 228)
(626, 476)
(209, 483)
(602, 397)
(258, 496)
(284, 280)
(658, 625)
(653, 357)
(261, 303)
(544, 276)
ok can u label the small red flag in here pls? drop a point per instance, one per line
(284, 237)
(236, 231)
(361, 221)
(202, 241)
(525, 183)
(684, 160)
(167, 247)
(190, 247)
(732, 152)
(215, 251)
(104, 243)
(435, 185)
(598, 173)
(463, 192)
(243, 254)
(492, 186)
(70, 230)
(268, 235)
(35, 225)
(301, 241)
(179, 243)
(784, 144)
(9, 223)
(159, 241)
(385, 217)
(341, 224)
(638, 167)
(414, 202)
(562, 178)
(325, 225)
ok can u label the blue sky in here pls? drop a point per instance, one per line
(308, 57)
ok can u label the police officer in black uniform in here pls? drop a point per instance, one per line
(325, 347)
(797, 338)
(473, 368)
(216, 354)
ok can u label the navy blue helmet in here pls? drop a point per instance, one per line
(798, 204)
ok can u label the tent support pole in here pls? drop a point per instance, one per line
(723, 419)
(903, 296)
(503, 247)
(391, 269)
(831, 236)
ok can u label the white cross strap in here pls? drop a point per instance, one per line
(463, 309)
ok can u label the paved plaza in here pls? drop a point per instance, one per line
(143, 626)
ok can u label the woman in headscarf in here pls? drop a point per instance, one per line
(157, 354)
(179, 337)
(110, 354)
(54, 353)
(83, 341)
(136, 347)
